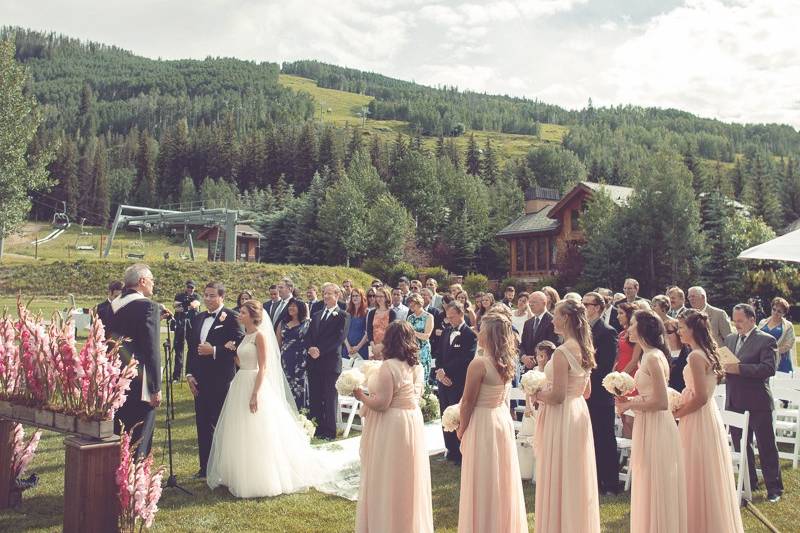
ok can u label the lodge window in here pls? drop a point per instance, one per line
(531, 256)
(574, 214)
(541, 254)
(520, 255)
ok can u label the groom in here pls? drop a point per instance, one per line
(210, 365)
(325, 337)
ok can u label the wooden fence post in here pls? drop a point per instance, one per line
(6, 451)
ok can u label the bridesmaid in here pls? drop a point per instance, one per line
(658, 493)
(710, 488)
(395, 491)
(491, 487)
(566, 474)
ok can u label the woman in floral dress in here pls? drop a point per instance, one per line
(293, 351)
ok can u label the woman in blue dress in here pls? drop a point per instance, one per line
(356, 342)
(291, 338)
(779, 327)
(422, 323)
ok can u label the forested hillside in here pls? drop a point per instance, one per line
(423, 177)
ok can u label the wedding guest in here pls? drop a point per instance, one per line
(658, 493)
(278, 311)
(747, 389)
(601, 403)
(404, 285)
(185, 304)
(103, 309)
(370, 299)
(469, 311)
(422, 324)
(274, 299)
(544, 352)
(677, 301)
(378, 320)
(628, 354)
(414, 287)
(376, 284)
(314, 305)
(136, 319)
(538, 328)
(241, 298)
(346, 289)
(457, 350)
(491, 497)
(438, 317)
(508, 296)
(356, 343)
(399, 308)
(783, 331)
(552, 297)
(454, 289)
(395, 489)
(432, 285)
(710, 489)
(566, 478)
(608, 308)
(294, 354)
(630, 296)
(678, 352)
(325, 336)
(521, 314)
(484, 304)
(720, 323)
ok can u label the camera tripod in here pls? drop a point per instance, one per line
(172, 480)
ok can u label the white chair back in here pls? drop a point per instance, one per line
(787, 421)
(516, 394)
(741, 421)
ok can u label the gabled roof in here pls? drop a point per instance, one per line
(619, 195)
(538, 222)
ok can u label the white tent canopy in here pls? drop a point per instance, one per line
(783, 248)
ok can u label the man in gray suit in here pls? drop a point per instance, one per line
(747, 389)
(718, 319)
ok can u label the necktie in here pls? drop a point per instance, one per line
(740, 343)
(535, 324)
(325, 315)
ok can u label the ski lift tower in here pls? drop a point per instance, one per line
(225, 219)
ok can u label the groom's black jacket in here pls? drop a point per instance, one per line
(221, 367)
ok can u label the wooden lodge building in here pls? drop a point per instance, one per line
(549, 226)
(248, 243)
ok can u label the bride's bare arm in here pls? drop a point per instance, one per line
(261, 350)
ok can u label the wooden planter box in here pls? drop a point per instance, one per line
(6, 409)
(64, 422)
(43, 417)
(23, 412)
(98, 429)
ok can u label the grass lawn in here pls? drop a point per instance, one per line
(42, 507)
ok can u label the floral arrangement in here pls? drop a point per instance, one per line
(139, 488)
(533, 381)
(451, 417)
(618, 383)
(349, 381)
(22, 454)
(308, 426)
(370, 367)
(41, 366)
(429, 405)
(675, 399)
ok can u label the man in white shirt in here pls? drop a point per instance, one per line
(538, 328)
(400, 310)
(677, 302)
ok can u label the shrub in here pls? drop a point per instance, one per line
(517, 283)
(399, 270)
(438, 273)
(429, 404)
(474, 283)
(376, 268)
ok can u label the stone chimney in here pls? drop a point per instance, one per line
(537, 198)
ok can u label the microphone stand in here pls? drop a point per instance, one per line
(172, 480)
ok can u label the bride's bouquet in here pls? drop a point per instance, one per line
(618, 383)
(533, 381)
(451, 417)
(675, 399)
(308, 427)
(349, 381)
(370, 367)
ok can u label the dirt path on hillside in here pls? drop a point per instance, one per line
(28, 231)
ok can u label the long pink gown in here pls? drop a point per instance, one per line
(658, 486)
(710, 488)
(566, 475)
(395, 491)
(491, 497)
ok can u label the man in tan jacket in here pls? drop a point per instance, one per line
(718, 319)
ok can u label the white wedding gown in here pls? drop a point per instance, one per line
(265, 453)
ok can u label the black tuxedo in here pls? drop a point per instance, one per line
(531, 337)
(315, 307)
(278, 315)
(454, 358)
(601, 406)
(212, 373)
(326, 335)
(104, 313)
(139, 321)
(749, 391)
(270, 307)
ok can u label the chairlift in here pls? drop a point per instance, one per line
(187, 253)
(60, 218)
(137, 247)
(83, 241)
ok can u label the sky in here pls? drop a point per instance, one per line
(735, 60)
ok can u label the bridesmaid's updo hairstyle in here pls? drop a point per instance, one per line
(501, 343)
(255, 309)
(651, 330)
(399, 342)
(697, 322)
(576, 326)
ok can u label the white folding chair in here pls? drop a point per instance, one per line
(348, 405)
(517, 394)
(719, 396)
(787, 421)
(741, 421)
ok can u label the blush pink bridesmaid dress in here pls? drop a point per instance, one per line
(491, 498)
(566, 474)
(658, 485)
(395, 491)
(710, 488)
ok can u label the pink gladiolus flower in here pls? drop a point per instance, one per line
(23, 453)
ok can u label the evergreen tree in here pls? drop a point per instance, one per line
(145, 189)
(344, 229)
(86, 178)
(604, 252)
(389, 226)
(791, 192)
(718, 181)
(354, 146)
(329, 153)
(506, 203)
(440, 152)
(722, 274)
(101, 201)
(555, 167)
(379, 157)
(418, 187)
(760, 191)
(173, 160)
(692, 162)
(87, 115)
(738, 179)
(490, 168)
(306, 161)
(452, 153)
(188, 192)
(473, 156)
(65, 171)
(399, 152)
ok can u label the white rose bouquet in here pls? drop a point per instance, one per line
(533, 381)
(370, 367)
(675, 399)
(349, 381)
(306, 425)
(451, 418)
(618, 383)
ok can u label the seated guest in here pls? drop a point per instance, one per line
(783, 331)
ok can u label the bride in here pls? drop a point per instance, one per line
(259, 448)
